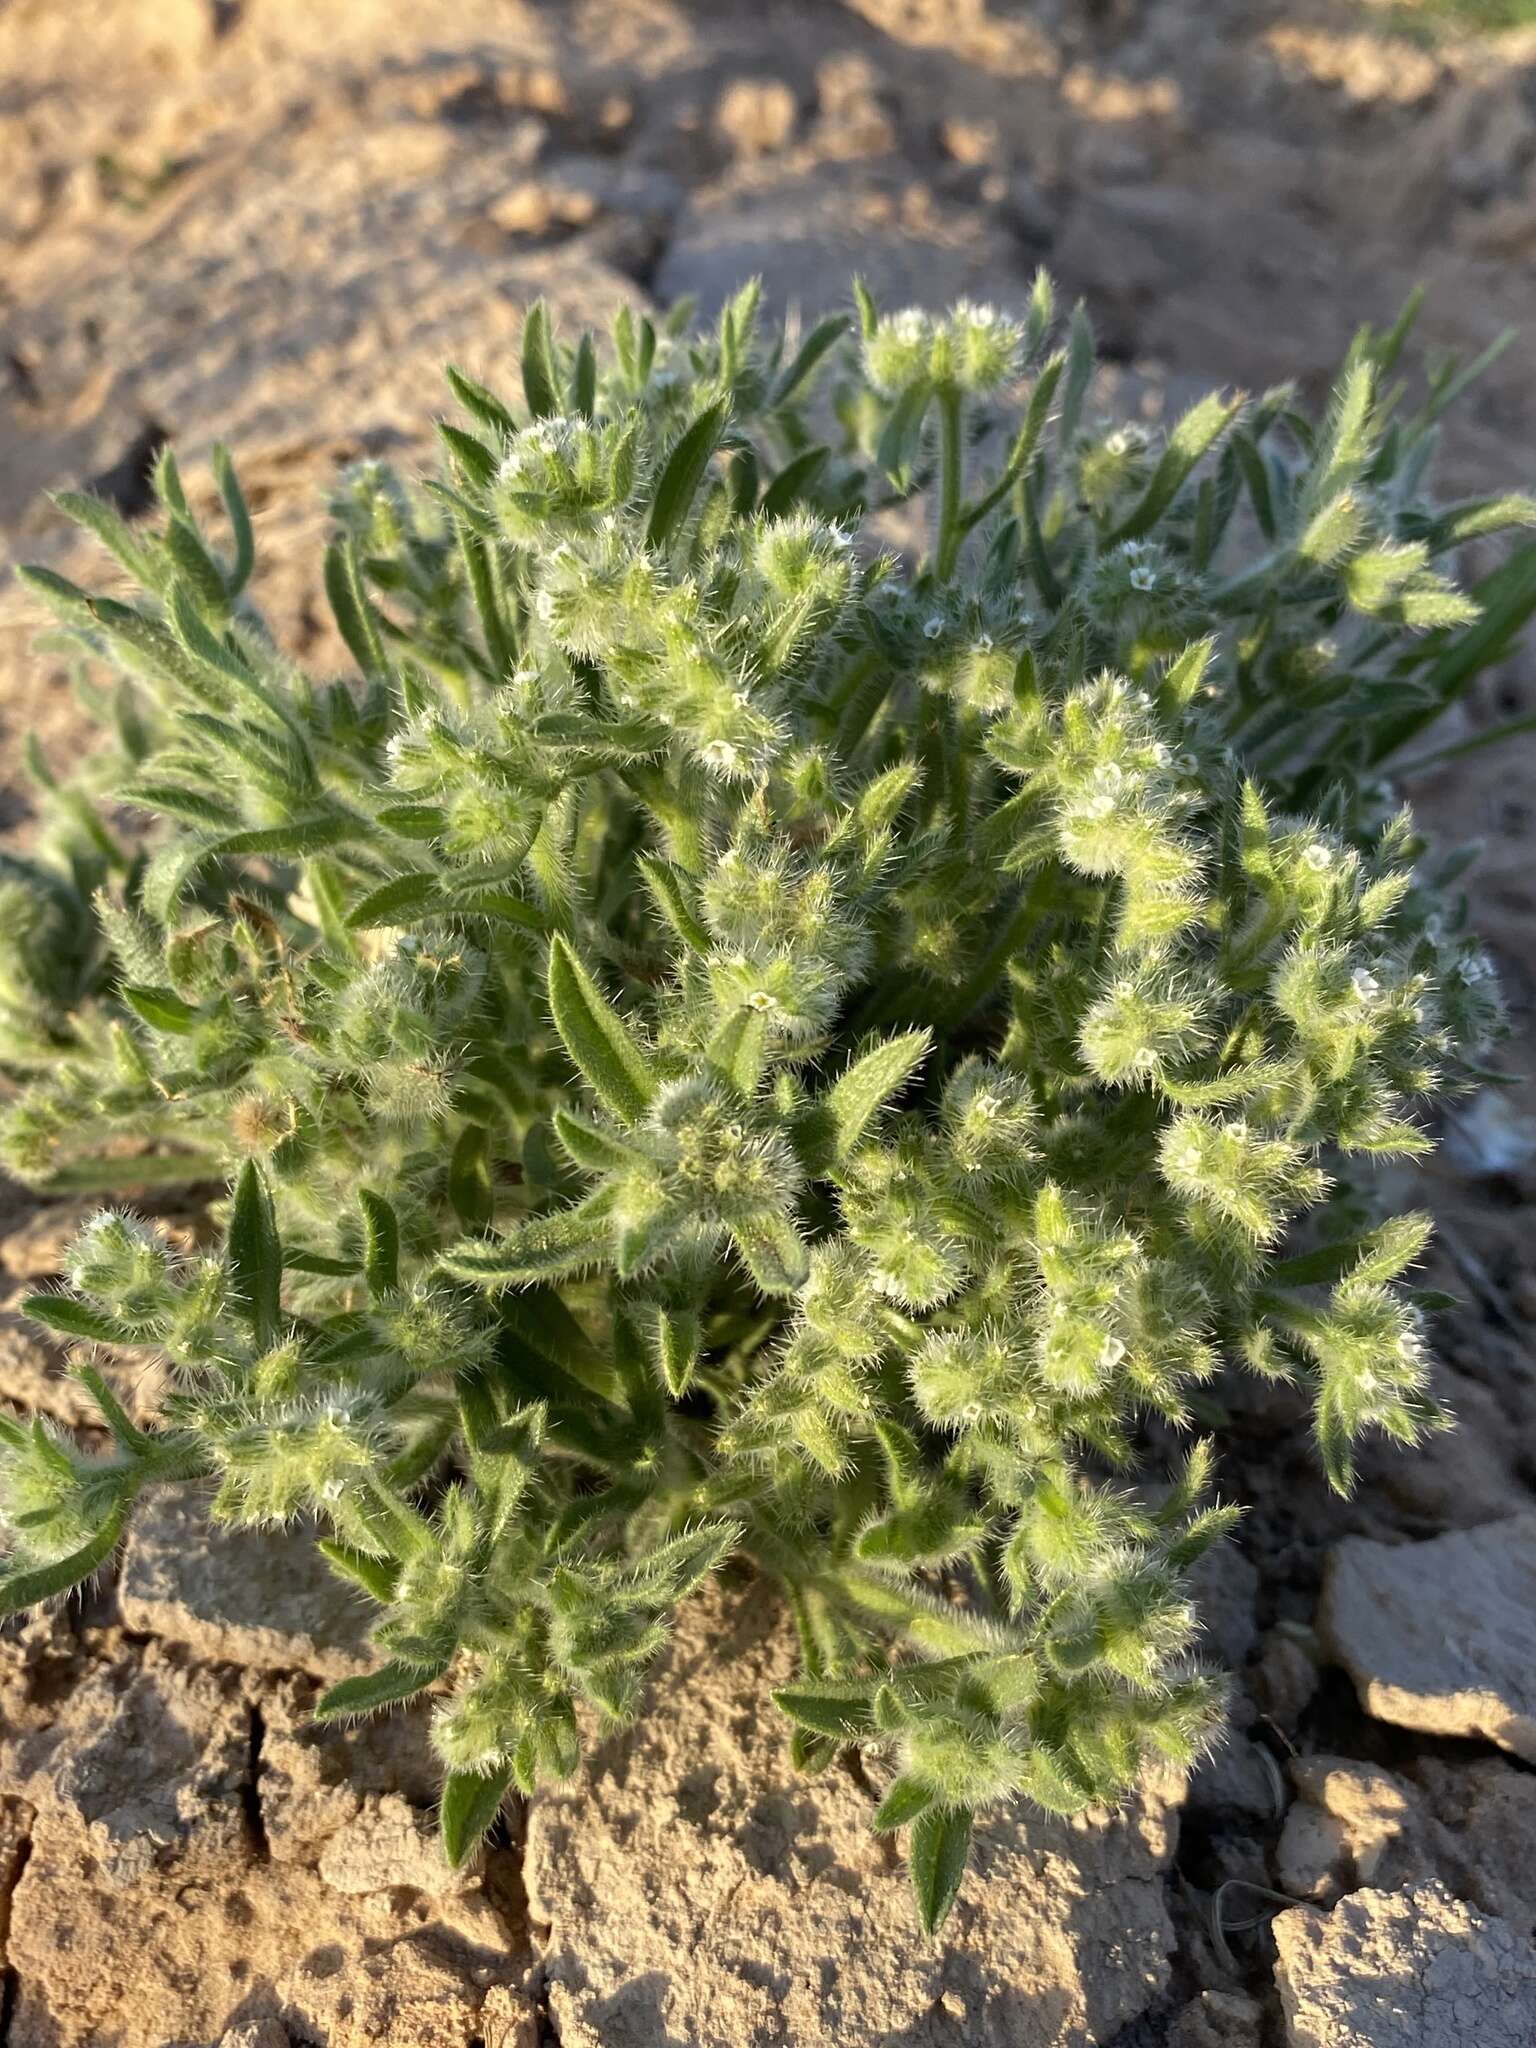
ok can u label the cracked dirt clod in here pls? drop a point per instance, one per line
(241, 1941)
(1441, 1636)
(696, 1890)
(262, 1598)
(143, 1761)
(1411, 1969)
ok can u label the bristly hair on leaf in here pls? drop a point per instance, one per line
(722, 1041)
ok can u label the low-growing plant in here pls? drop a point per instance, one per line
(724, 1040)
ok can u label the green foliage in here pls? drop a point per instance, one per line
(723, 1042)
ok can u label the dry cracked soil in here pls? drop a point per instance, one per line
(265, 222)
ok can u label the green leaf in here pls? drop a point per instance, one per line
(904, 1801)
(856, 1098)
(471, 1802)
(823, 336)
(936, 1854)
(352, 608)
(125, 1431)
(471, 458)
(162, 1009)
(683, 472)
(593, 1149)
(386, 1687)
(541, 372)
(480, 404)
(381, 1243)
(674, 899)
(901, 438)
(679, 1339)
(794, 481)
(584, 379)
(469, 1178)
(202, 575)
(837, 1708)
(114, 533)
(543, 1248)
(597, 1039)
(378, 1576)
(21, 1590)
(1194, 436)
(238, 514)
(254, 1255)
(72, 1317)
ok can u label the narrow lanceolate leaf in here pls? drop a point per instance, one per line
(71, 1317)
(480, 404)
(599, 1042)
(829, 1707)
(20, 1590)
(238, 514)
(857, 1097)
(937, 1850)
(674, 899)
(381, 1240)
(352, 608)
(541, 371)
(471, 1802)
(469, 1178)
(377, 1576)
(1194, 437)
(825, 335)
(682, 474)
(544, 1248)
(385, 1687)
(678, 1342)
(162, 1009)
(901, 1805)
(121, 1424)
(255, 1256)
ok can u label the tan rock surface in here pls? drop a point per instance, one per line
(695, 1890)
(262, 1598)
(1414, 1969)
(1441, 1635)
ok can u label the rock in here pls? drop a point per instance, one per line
(1218, 2019)
(968, 142)
(1224, 1586)
(243, 1942)
(756, 115)
(313, 1777)
(389, 1844)
(258, 2034)
(806, 233)
(1352, 1826)
(695, 1890)
(539, 207)
(1441, 1636)
(1482, 1821)
(144, 1762)
(263, 1598)
(853, 120)
(1412, 1969)
(1284, 1678)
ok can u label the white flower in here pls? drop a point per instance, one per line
(1317, 856)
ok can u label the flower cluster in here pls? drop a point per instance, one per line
(724, 1042)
